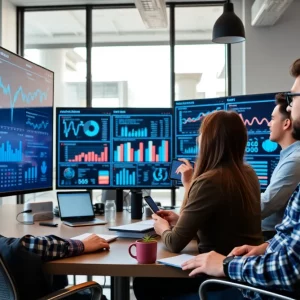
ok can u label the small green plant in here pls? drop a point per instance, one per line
(148, 238)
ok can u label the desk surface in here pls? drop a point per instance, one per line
(116, 262)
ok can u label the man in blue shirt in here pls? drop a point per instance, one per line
(276, 263)
(286, 175)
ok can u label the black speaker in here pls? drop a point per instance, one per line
(136, 204)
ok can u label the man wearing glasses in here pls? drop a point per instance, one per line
(286, 175)
(275, 264)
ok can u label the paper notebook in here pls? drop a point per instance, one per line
(176, 261)
(109, 238)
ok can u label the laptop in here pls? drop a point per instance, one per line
(76, 209)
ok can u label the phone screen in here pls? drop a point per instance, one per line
(151, 204)
(175, 164)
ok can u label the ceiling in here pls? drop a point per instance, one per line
(112, 26)
(78, 2)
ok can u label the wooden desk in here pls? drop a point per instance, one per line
(116, 262)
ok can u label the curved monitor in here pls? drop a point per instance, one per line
(26, 126)
(113, 148)
(255, 111)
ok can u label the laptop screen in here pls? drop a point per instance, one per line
(75, 205)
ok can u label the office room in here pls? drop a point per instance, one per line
(111, 60)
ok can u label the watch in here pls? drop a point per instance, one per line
(226, 262)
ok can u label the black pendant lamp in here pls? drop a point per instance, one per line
(229, 28)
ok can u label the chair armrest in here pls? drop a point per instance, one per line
(62, 293)
(244, 286)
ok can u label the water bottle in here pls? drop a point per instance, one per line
(110, 211)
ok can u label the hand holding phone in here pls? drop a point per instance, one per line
(169, 216)
(151, 204)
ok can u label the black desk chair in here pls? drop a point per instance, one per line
(216, 281)
(8, 290)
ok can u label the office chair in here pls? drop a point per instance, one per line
(8, 290)
(273, 295)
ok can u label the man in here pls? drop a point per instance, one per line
(286, 175)
(24, 257)
(275, 264)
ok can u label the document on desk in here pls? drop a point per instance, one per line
(135, 230)
(108, 237)
(176, 261)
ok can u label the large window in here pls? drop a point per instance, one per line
(199, 64)
(129, 62)
(51, 38)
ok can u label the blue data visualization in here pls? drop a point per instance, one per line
(26, 125)
(107, 147)
(254, 110)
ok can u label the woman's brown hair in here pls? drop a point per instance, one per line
(222, 149)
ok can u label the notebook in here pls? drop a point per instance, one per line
(135, 230)
(176, 261)
(109, 238)
(76, 209)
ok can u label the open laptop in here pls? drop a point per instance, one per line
(76, 209)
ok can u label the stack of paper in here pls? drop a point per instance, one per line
(176, 261)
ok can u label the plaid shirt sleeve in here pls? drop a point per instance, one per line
(51, 247)
(279, 267)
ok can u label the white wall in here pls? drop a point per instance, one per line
(268, 52)
(8, 25)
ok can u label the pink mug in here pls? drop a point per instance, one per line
(145, 251)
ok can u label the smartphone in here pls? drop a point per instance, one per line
(151, 204)
(174, 166)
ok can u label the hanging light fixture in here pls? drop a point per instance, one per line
(229, 28)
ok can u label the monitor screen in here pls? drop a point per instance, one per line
(255, 111)
(114, 148)
(26, 125)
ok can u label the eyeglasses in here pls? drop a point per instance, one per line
(289, 98)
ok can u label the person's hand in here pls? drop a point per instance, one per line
(247, 250)
(210, 263)
(160, 224)
(93, 243)
(169, 216)
(186, 171)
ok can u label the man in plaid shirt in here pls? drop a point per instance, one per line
(276, 263)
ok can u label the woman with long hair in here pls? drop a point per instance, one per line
(221, 204)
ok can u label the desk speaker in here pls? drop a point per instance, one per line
(41, 211)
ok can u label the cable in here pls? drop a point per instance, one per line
(104, 282)
(24, 212)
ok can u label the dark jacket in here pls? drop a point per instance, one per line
(25, 268)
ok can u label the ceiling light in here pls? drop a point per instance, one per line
(228, 28)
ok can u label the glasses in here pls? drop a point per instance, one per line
(289, 98)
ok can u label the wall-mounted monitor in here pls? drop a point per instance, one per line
(26, 125)
(114, 148)
(255, 111)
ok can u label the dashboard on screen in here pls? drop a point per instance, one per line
(255, 111)
(26, 125)
(114, 148)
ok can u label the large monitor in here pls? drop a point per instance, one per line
(255, 111)
(114, 148)
(26, 125)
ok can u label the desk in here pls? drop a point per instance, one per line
(116, 262)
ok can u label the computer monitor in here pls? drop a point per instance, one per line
(114, 148)
(26, 125)
(255, 111)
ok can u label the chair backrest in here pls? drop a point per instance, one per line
(7, 288)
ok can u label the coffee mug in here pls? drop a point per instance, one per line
(145, 252)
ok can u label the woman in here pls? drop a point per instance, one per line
(221, 205)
